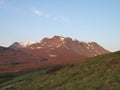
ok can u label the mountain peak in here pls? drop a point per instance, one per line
(59, 37)
(21, 44)
(64, 43)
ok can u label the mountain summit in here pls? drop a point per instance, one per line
(87, 49)
(49, 51)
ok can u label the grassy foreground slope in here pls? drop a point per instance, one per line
(98, 73)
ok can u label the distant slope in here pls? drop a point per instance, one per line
(97, 73)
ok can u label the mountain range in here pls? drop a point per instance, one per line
(57, 50)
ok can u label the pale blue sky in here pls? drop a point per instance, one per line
(85, 20)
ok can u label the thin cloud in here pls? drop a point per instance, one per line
(48, 16)
(41, 14)
(59, 18)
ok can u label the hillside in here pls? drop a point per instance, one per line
(97, 73)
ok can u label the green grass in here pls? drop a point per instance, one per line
(98, 73)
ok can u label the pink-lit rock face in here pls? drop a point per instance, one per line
(47, 52)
